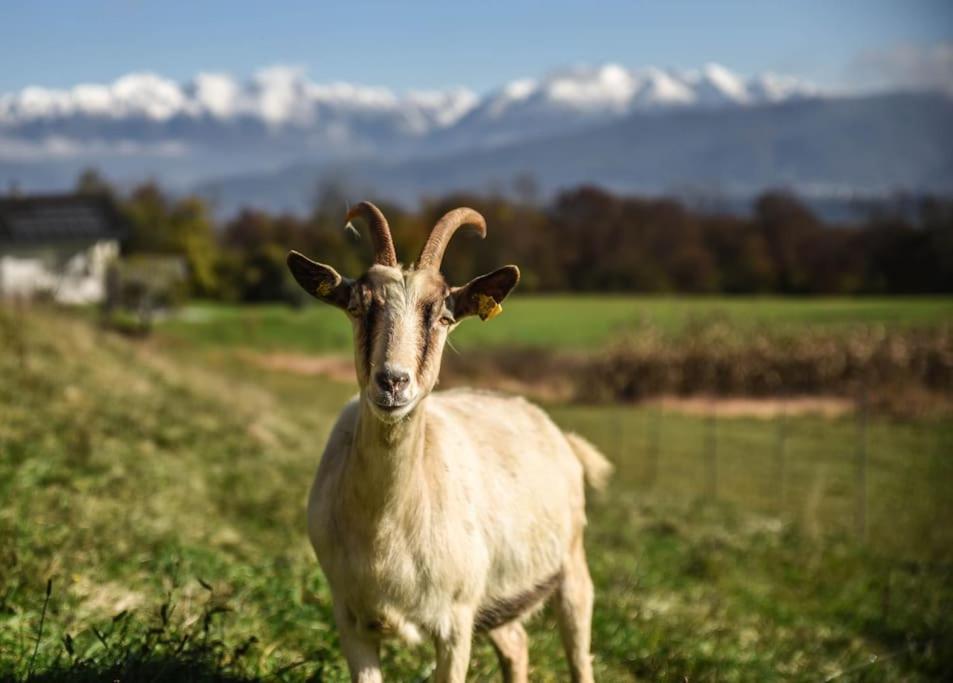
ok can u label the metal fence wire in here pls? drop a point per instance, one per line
(876, 478)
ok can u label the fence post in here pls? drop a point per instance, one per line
(780, 455)
(711, 450)
(19, 306)
(620, 435)
(861, 470)
(936, 469)
(654, 443)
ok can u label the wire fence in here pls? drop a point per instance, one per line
(879, 479)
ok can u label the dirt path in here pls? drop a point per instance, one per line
(337, 368)
(761, 407)
(341, 369)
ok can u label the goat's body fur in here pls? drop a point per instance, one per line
(465, 513)
(441, 514)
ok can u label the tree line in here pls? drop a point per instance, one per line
(585, 239)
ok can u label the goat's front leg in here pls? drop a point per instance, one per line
(453, 648)
(361, 649)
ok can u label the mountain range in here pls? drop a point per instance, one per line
(271, 140)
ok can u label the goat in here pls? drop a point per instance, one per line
(442, 514)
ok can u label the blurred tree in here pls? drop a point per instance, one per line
(92, 182)
(585, 239)
(789, 230)
(160, 225)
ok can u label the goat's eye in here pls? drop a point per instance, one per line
(359, 303)
(446, 319)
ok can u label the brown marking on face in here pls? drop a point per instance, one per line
(401, 317)
(426, 335)
(393, 311)
(505, 610)
(431, 305)
(366, 314)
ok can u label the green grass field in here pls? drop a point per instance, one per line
(562, 322)
(160, 488)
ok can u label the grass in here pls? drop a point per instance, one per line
(160, 488)
(560, 322)
(803, 469)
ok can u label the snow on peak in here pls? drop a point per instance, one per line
(607, 87)
(718, 84)
(612, 89)
(520, 89)
(281, 105)
(283, 95)
(217, 94)
(658, 88)
(443, 107)
(136, 94)
(147, 94)
(276, 95)
(511, 94)
(771, 87)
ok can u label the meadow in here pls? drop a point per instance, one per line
(152, 511)
(561, 322)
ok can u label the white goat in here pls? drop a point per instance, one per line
(442, 514)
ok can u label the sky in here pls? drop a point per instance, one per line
(424, 45)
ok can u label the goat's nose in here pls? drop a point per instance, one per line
(391, 379)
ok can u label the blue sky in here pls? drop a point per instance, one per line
(407, 45)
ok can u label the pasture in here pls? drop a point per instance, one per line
(560, 322)
(152, 511)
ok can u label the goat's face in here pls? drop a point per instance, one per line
(401, 320)
(401, 317)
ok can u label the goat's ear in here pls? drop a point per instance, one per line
(320, 281)
(482, 296)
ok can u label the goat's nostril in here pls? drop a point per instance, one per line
(389, 379)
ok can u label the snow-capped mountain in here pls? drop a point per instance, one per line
(273, 138)
(281, 110)
(582, 96)
(613, 89)
(277, 96)
(823, 148)
(277, 115)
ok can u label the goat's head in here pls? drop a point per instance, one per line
(402, 316)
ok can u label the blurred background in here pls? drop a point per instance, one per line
(734, 222)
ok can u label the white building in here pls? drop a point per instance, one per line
(57, 246)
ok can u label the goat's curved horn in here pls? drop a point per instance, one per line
(384, 252)
(432, 253)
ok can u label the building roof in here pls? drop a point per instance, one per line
(45, 219)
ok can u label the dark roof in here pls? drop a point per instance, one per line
(41, 219)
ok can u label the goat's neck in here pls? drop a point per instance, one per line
(388, 457)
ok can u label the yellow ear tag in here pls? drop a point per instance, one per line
(325, 288)
(488, 307)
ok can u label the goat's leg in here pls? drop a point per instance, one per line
(574, 612)
(361, 650)
(512, 649)
(453, 648)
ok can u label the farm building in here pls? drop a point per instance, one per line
(57, 246)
